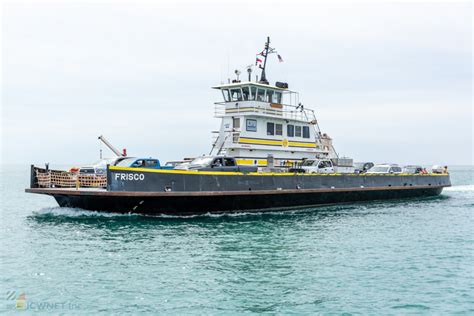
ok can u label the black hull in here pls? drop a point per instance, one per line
(237, 202)
(179, 192)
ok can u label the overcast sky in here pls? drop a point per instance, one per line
(390, 82)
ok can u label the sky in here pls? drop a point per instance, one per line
(389, 81)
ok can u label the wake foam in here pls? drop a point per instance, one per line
(77, 212)
(461, 188)
(69, 212)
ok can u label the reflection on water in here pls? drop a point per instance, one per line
(114, 221)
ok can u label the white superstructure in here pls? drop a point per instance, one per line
(259, 119)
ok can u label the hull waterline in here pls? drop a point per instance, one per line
(190, 203)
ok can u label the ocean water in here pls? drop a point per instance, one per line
(399, 257)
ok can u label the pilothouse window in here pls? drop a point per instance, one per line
(261, 95)
(246, 93)
(226, 95)
(253, 93)
(269, 97)
(276, 98)
(236, 94)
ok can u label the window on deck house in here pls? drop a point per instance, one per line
(270, 128)
(251, 125)
(236, 122)
(278, 129)
(297, 131)
(290, 130)
(305, 131)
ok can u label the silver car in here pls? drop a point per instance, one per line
(384, 169)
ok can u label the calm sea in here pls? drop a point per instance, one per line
(400, 257)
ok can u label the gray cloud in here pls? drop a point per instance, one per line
(389, 81)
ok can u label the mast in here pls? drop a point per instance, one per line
(263, 78)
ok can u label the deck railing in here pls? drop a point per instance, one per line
(285, 111)
(47, 178)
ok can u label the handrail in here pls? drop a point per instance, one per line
(221, 109)
(263, 102)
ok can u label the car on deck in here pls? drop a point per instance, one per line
(385, 169)
(175, 163)
(134, 162)
(100, 167)
(412, 169)
(318, 166)
(362, 167)
(216, 163)
(336, 165)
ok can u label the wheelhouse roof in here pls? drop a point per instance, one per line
(247, 83)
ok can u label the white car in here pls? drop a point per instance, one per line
(385, 168)
(99, 167)
(176, 163)
(318, 166)
(437, 169)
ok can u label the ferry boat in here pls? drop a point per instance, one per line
(266, 133)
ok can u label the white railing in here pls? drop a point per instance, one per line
(222, 109)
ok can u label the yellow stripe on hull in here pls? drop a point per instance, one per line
(173, 171)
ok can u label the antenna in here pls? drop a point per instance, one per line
(249, 71)
(237, 73)
(228, 66)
